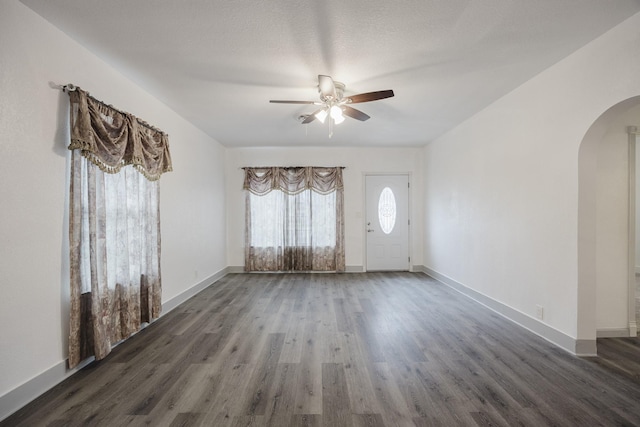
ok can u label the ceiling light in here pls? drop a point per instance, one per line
(321, 115)
(336, 112)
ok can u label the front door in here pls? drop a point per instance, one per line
(387, 222)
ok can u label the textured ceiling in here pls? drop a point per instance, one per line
(218, 62)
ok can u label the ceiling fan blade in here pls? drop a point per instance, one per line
(327, 87)
(370, 96)
(355, 114)
(311, 117)
(276, 101)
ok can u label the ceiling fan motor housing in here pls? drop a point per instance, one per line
(339, 89)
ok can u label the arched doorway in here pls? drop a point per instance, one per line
(606, 224)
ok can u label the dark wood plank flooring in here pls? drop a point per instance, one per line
(372, 349)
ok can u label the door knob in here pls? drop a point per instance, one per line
(369, 230)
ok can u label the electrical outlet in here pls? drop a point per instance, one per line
(539, 312)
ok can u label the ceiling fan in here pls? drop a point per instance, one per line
(334, 104)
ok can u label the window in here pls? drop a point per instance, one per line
(306, 219)
(292, 225)
(387, 210)
(114, 226)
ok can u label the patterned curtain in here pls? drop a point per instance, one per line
(294, 219)
(114, 225)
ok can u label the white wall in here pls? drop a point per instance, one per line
(356, 160)
(637, 265)
(34, 193)
(501, 189)
(612, 229)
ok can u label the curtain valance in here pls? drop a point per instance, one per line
(293, 180)
(111, 139)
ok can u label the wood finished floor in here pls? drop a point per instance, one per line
(372, 349)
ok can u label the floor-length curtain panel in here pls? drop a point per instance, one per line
(114, 228)
(294, 219)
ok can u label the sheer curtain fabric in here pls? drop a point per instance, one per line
(294, 219)
(114, 228)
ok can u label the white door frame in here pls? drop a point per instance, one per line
(634, 137)
(364, 209)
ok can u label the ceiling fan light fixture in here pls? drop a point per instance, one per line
(333, 104)
(336, 112)
(322, 115)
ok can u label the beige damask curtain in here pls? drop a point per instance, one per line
(114, 225)
(294, 219)
(112, 139)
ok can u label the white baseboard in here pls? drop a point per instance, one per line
(612, 333)
(630, 331)
(169, 305)
(28, 391)
(420, 269)
(15, 399)
(560, 339)
(348, 269)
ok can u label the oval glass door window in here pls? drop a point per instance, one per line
(387, 210)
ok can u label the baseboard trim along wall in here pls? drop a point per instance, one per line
(172, 303)
(612, 333)
(560, 339)
(30, 390)
(347, 269)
